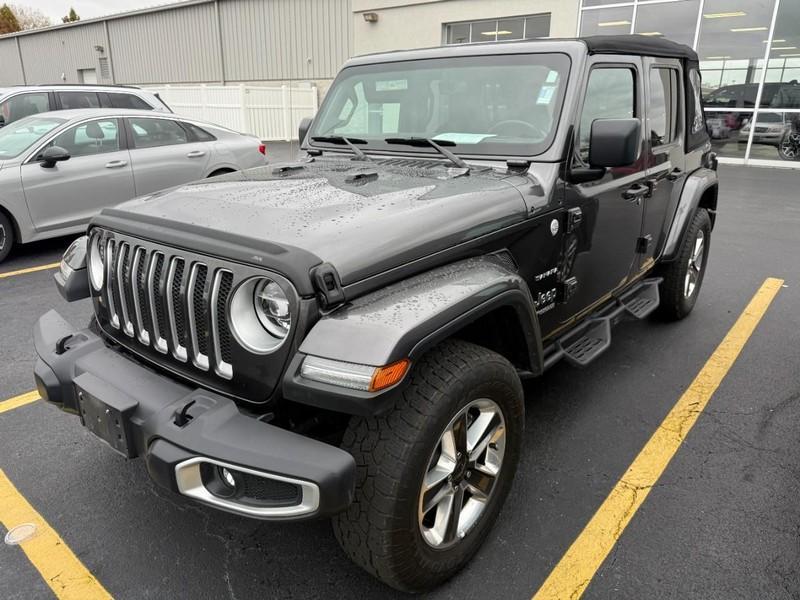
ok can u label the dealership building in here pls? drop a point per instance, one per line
(749, 49)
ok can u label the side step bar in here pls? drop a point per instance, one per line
(593, 337)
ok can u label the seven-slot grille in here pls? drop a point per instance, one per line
(172, 302)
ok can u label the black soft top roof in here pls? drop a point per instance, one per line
(638, 44)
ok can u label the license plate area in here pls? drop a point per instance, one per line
(107, 415)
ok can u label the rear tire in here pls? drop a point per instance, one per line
(684, 276)
(407, 484)
(6, 236)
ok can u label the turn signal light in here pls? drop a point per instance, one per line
(263, 149)
(389, 375)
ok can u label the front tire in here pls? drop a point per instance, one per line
(684, 276)
(6, 237)
(434, 473)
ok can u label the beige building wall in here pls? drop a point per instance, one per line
(419, 23)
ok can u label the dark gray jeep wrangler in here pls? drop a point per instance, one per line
(347, 335)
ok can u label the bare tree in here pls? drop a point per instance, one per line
(30, 18)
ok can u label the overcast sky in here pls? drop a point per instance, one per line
(87, 9)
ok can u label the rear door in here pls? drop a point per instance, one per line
(604, 217)
(98, 174)
(164, 154)
(664, 153)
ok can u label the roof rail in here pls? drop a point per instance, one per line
(112, 85)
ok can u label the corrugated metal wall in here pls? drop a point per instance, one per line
(10, 71)
(170, 46)
(261, 40)
(285, 39)
(48, 54)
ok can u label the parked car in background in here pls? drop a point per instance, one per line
(23, 101)
(58, 169)
(770, 129)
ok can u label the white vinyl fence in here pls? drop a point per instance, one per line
(269, 113)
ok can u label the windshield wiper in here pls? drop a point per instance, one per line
(420, 142)
(340, 139)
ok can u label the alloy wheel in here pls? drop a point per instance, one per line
(695, 266)
(462, 473)
(3, 237)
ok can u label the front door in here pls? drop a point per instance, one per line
(604, 217)
(98, 174)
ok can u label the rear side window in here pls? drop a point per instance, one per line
(610, 94)
(81, 99)
(152, 133)
(199, 135)
(122, 100)
(662, 110)
(24, 105)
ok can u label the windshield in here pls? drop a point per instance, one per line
(21, 135)
(496, 105)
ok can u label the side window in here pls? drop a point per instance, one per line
(199, 135)
(662, 110)
(152, 133)
(24, 105)
(122, 100)
(88, 139)
(698, 124)
(81, 99)
(610, 94)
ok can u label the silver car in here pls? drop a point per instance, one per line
(22, 101)
(58, 169)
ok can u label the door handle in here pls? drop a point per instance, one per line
(635, 193)
(196, 154)
(675, 174)
(116, 164)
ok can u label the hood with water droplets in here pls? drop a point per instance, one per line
(363, 218)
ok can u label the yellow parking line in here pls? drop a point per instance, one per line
(18, 401)
(56, 563)
(575, 570)
(29, 270)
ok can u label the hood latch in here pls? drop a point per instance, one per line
(328, 285)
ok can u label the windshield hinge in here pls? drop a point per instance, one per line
(517, 166)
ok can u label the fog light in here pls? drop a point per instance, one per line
(227, 477)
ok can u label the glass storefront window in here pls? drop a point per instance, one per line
(607, 21)
(675, 21)
(783, 70)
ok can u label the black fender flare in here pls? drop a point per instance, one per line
(405, 320)
(695, 186)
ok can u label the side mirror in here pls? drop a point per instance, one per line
(614, 142)
(72, 279)
(305, 125)
(53, 155)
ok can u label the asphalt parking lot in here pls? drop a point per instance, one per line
(723, 521)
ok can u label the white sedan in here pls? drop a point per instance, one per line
(58, 169)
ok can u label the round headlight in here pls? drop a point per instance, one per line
(272, 308)
(260, 314)
(96, 266)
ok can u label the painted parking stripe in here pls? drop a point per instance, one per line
(575, 570)
(57, 564)
(18, 401)
(29, 270)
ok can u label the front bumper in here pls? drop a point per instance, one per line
(184, 433)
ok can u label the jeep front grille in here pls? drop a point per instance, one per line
(173, 302)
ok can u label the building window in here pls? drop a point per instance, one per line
(498, 30)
